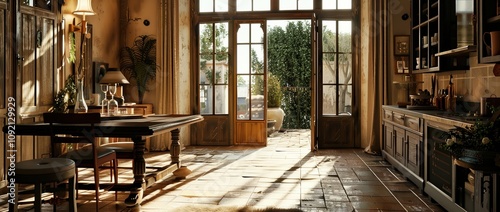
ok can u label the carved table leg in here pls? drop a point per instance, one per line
(139, 168)
(175, 151)
(175, 147)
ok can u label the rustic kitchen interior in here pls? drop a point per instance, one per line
(385, 83)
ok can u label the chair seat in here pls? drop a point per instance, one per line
(44, 170)
(85, 153)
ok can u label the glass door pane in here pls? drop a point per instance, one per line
(250, 72)
(214, 68)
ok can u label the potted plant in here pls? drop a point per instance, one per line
(139, 62)
(65, 97)
(274, 96)
(477, 144)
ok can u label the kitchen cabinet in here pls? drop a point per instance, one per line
(488, 21)
(403, 140)
(434, 31)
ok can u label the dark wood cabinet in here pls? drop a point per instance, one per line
(488, 21)
(434, 37)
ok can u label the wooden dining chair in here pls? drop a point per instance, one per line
(89, 156)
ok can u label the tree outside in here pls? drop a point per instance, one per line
(289, 58)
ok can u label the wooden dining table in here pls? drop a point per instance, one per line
(137, 128)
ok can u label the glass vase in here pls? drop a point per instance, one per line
(80, 104)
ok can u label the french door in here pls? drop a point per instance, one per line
(336, 88)
(251, 79)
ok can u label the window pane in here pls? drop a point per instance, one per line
(329, 100)
(257, 85)
(243, 5)
(257, 33)
(305, 4)
(206, 99)
(288, 5)
(221, 6)
(243, 33)
(261, 5)
(329, 36)
(221, 70)
(345, 99)
(243, 94)
(206, 39)
(257, 58)
(243, 66)
(221, 99)
(257, 107)
(206, 71)
(345, 68)
(329, 4)
(329, 69)
(221, 40)
(345, 4)
(345, 36)
(206, 6)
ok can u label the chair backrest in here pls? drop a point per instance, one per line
(86, 135)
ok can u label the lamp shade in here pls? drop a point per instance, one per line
(113, 75)
(84, 8)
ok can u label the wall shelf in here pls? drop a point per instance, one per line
(460, 51)
(488, 21)
(434, 40)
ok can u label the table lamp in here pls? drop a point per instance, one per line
(112, 76)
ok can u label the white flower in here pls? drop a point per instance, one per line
(486, 140)
(449, 141)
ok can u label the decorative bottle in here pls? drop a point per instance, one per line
(80, 104)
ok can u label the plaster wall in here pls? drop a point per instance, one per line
(398, 26)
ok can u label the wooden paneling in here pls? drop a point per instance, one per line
(28, 77)
(251, 133)
(336, 133)
(214, 130)
(45, 62)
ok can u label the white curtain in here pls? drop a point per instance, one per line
(377, 67)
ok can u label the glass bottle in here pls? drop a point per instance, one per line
(80, 104)
(113, 104)
(105, 101)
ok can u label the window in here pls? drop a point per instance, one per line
(337, 4)
(296, 4)
(214, 68)
(44, 4)
(253, 5)
(213, 6)
(337, 67)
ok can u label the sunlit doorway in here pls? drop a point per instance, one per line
(289, 59)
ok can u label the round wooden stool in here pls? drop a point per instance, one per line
(45, 170)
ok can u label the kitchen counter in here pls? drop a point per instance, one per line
(439, 116)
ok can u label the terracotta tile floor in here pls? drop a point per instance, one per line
(284, 174)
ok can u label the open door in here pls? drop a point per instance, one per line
(251, 78)
(336, 99)
(314, 78)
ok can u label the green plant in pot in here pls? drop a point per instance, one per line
(274, 97)
(65, 97)
(139, 62)
(477, 144)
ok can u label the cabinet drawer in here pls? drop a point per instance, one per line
(399, 118)
(388, 115)
(412, 123)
